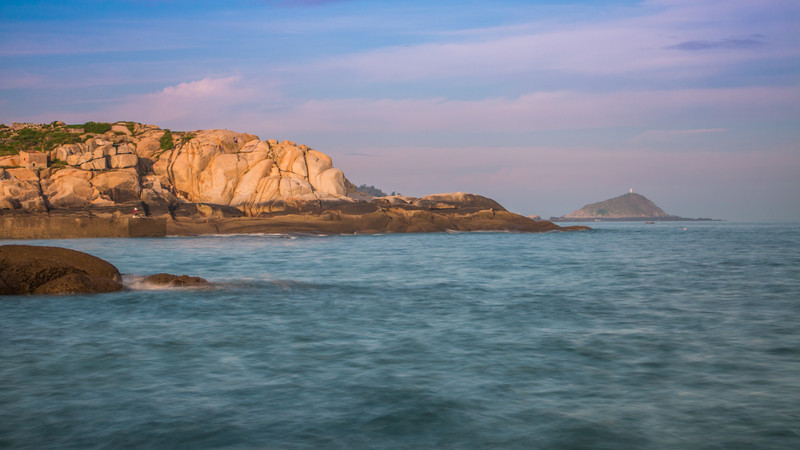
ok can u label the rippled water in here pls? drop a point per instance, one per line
(628, 336)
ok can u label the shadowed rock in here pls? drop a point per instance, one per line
(168, 279)
(78, 283)
(28, 269)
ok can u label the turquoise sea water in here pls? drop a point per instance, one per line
(627, 336)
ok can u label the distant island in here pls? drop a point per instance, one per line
(626, 207)
(130, 179)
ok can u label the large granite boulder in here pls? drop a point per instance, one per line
(19, 189)
(236, 169)
(69, 188)
(27, 269)
(121, 186)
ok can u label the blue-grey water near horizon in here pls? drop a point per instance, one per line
(627, 336)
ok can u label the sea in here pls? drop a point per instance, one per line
(673, 335)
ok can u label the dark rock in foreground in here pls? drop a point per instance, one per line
(28, 269)
(168, 279)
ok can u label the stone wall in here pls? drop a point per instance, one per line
(44, 227)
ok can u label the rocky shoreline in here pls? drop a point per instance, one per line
(128, 179)
(438, 213)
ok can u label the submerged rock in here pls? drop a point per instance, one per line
(29, 269)
(168, 279)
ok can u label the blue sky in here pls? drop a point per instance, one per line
(542, 105)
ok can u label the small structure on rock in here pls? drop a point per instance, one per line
(33, 160)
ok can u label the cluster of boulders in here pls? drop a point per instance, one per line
(131, 164)
(32, 269)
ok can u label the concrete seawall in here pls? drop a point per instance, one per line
(46, 227)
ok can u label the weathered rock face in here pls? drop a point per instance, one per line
(26, 269)
(19, 189)
(219, 167)
(226, 168)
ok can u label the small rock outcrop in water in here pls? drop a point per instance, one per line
(27, 269)
(168, 279)
(625, 206)
(628, 207)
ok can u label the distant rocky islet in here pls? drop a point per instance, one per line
(627, 207)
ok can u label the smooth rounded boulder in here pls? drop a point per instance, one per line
(30, 269)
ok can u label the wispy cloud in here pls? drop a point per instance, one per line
(255, 105)
(731, 43)
(662, 135)
(188, 105)
(538, 111)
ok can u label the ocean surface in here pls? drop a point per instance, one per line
(673, 335)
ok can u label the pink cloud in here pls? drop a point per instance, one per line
(203, 102)
(638, 43)
(557, 110)
(665, 135)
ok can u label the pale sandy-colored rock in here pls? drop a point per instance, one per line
(9, 161)
(71, 172)
(317, 162)
(123, 161)
(121, 128)
(331, 182)
(248, 185)
(19, 189)
(23, 174)
(218, 181)
(125, 149)
(147, 147)
(69, 192)
(101, 201)
(94, 143)
(73, 160)
(119, 185)
(95, 164)
(254, 158)
(63, 152)
(103, 150)
(220, 167)
(294, 187)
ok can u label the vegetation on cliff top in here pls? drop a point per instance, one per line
(375, 192)
(35, 139)
(46, 137)
(93, 127)
(166, 140)
(371, 190)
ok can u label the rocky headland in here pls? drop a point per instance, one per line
(58, 179)
(626, 207)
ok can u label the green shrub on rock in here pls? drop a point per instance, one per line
(166, 140)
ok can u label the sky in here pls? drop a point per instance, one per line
(544, 106)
